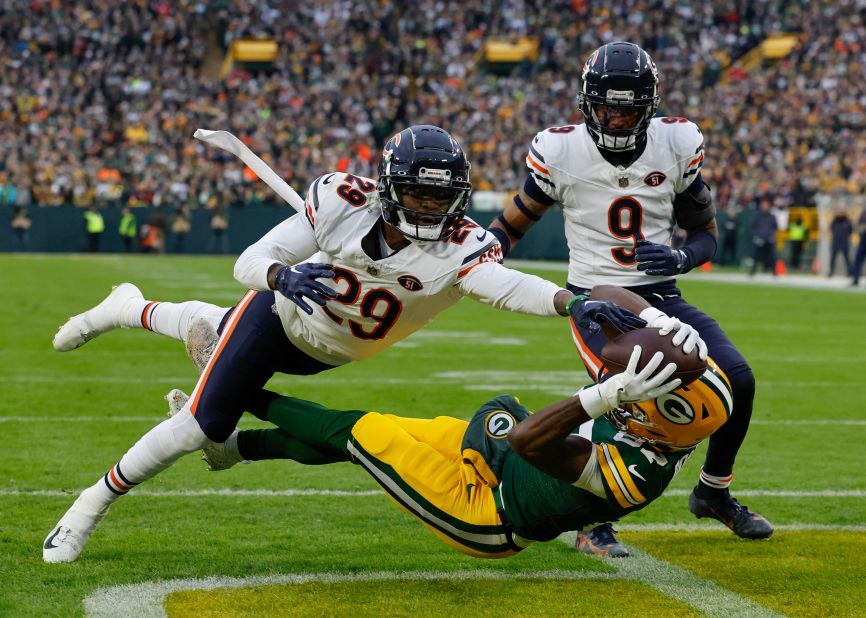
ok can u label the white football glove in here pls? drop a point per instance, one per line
(629, 386)
(685, 335)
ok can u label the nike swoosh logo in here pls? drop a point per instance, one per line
(481, 237)
(633, 469)
(49, 541)
(327, 180)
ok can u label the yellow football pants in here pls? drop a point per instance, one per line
(418, 463)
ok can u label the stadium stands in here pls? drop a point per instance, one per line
(98, 99)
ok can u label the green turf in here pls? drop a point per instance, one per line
(814, 574)
(806, 348)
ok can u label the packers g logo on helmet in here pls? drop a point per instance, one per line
(498, 424)
(682, 418)
(675, 408)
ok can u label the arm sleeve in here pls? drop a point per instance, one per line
(503, 288)
(688, 143)
(290, 242)
(542, 152)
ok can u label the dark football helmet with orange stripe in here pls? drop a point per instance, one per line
(619, 95)
(683, 417)
(424, 182)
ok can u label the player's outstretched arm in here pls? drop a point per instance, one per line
(545, 439)
(519, 216)
(505, 288)
(683, 334)
(290, 242)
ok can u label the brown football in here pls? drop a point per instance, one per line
(617, 352)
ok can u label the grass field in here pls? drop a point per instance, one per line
(269, 538)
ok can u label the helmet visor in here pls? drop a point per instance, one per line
(618, 117)
(426, 206)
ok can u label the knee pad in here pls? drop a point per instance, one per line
(186, 433)
(742, 384)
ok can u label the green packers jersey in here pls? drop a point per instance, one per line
(623, 475)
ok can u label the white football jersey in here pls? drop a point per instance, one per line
(382, 301)
(607, 208)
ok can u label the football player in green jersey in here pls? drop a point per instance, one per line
(493, 485)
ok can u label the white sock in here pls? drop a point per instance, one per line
(158, 449)
(172, 319)
(716, 482)
(231, 445)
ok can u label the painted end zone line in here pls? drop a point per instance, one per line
(681, 585)
(146, 600)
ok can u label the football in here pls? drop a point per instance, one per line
(617, 352)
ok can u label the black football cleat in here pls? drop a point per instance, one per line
(600, 541)
(737, 517)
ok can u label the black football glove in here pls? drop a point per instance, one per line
(661, 260)
(589, 314)
(299, 281)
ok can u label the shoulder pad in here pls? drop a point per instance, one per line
(337, 191)
(546, 152)
(683, 135)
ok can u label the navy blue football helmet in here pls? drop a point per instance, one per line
(619, 95)
(423, 182)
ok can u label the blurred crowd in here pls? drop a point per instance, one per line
(99, 98)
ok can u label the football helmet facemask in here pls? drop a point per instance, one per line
(682, 418)
(619, 95)
(424, 183)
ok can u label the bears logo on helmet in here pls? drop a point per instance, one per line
(424, 183)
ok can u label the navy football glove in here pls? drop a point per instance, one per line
(661, 260)
(589, 314)
(299, 281)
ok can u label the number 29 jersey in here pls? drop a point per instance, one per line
(381, 301)
(608, 208)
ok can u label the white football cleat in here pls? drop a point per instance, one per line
(176, 399)
(201, 341)
(220, 457)
(102, 318)
(69, 536)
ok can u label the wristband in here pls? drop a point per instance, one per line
(593, 402)
(651, 314)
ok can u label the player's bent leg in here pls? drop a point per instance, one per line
(600, 541)
(125, 307)
(237, 369)
(113, 312)
(447, 495)
(201, 341)
(218, 456)
(711, 496)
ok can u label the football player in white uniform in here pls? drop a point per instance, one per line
(398, 251)
(623, 180)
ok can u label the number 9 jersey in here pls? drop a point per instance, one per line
(608, 208)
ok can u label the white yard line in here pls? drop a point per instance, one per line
(785, 281)
(157, 418)
(146, 600)
(681, 585)
(282, 493)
